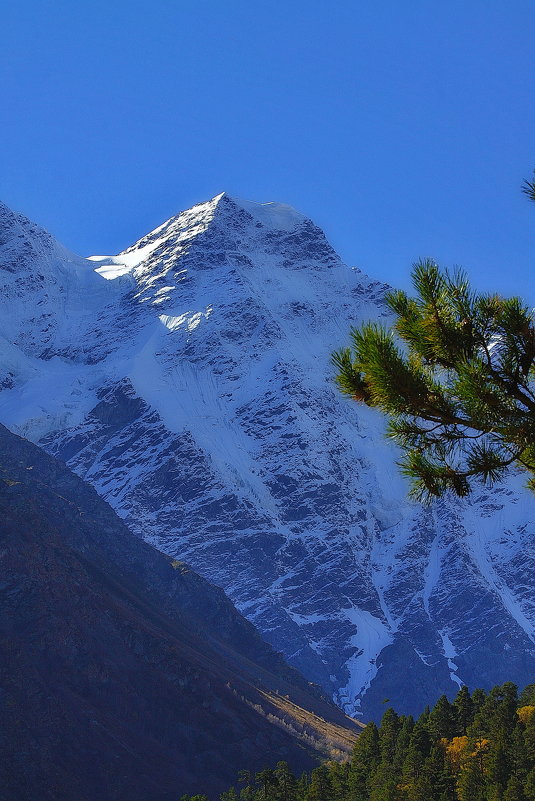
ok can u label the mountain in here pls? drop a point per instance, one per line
(188, 380)
(124, 674)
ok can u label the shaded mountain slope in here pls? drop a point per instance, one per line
(124, 675)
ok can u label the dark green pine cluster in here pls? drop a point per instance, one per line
(455, 378)
(481, 747)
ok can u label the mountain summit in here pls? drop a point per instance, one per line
(188, 379)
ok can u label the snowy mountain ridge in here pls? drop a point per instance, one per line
(188, 379)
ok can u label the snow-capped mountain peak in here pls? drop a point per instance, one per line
(188, 379)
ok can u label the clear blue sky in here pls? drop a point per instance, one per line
(403, 127)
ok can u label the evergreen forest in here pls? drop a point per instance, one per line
(480, 747)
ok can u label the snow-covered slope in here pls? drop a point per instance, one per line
(188, 379)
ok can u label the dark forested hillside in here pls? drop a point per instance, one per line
(124, 676)
(481, 747)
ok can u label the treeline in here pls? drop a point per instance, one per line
(481, 747)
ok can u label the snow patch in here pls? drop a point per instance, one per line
(58, 398)
(188, 320)
(275, 216)
(371, 637)
(450, 653)
(111, 267)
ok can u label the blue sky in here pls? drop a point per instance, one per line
(404, 129)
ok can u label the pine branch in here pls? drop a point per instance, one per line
(459, 394)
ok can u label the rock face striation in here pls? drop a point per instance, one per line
(188, 380)
(124, 674)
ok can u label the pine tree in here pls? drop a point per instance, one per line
(367, 748)
(459, 392)
(338, 774)
(422, 789)
(514, 790)
(194, 798)
(403, 740)
(302, 786)
(247, 793)
(518, 755)
(498, 767)
(267, 780)
(529, 786)
(384, 785)
(527, 696)
(286, 783)
(388, 732)
(442, 720)
(364, 762)
(229, 795)
(417, 752)
(464, 710)
(320, 788)
(472, 784)
(478, 699)
(438, 770)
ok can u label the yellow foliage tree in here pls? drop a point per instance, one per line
(525, 713)
(456, 751)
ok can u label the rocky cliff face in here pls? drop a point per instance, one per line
(188, 380)
(123, 673)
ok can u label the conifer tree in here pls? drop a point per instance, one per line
(367, 749)
(194, 798)
(384, 786)
(266, 779)
(437, 768)
(365, 759)
(459, 391)
(247, 793)
(442, 720)
(497, 716)
(458, 388)
(338, 775)
(229, 795)
(302, 786)
(417, 752)
(286, 783)
(529, 786)
(498, 767)
(464, 710)
(514, 790)
(478, 699)
(403, 740)
(518, 755)
(388, 732)
(472, 784)
(527, 696)
(320, 788)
